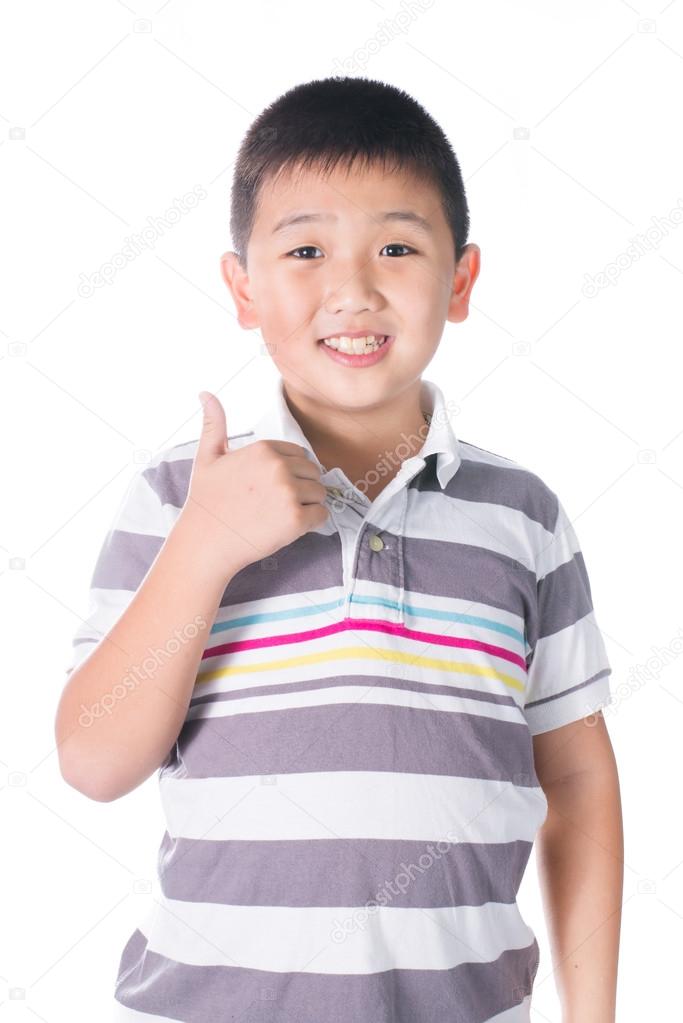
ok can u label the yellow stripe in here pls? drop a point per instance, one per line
(364, 653)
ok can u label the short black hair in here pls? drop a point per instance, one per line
(340, 120)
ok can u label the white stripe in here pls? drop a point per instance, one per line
(281, 605)
(579, 647)
(491, 527)
(352, 804)
(104, 610)
(331, 939)
(471, 453)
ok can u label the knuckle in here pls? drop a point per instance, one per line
(264, 449)
(280, 473)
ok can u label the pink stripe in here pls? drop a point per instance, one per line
(370, 625)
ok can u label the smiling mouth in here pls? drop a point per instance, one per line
(354, 346)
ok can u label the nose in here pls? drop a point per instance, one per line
(354, 291)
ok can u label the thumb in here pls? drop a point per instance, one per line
(213, 440)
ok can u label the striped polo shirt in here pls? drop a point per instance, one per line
(351, 802)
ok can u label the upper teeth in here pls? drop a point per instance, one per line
(355, 345)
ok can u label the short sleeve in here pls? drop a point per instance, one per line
(132, 542)
(567, 665)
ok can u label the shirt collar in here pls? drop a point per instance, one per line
(278, 423)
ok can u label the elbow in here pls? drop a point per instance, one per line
(78, 767)
(87, 778)
(91, 788)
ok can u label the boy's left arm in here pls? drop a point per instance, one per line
(580, 857)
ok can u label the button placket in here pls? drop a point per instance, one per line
(387, 512)
(380, 538)
(401, 533)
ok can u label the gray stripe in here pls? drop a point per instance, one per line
(447, 569)
(313, 562)
(469, 993)
(434, 567)
(357, 737)
(357, 680)
(564, 596)
(341, 872)
(517, 489)
(572, 689)
(170, 481)
(124, 560)
(310, 563)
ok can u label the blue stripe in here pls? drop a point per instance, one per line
(272, 616)
(417, 612)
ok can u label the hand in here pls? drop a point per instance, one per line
(244, 505)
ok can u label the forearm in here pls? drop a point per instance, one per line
(580, 861)
(122, 709)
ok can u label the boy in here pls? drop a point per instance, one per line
(371, 686)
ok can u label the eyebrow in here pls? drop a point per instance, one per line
(402, 216)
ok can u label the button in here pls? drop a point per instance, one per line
(376, 542)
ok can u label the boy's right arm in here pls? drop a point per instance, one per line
(112, 736)
(242, 506)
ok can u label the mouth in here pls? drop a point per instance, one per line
(355, 352)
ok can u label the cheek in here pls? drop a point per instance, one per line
(416, 282)
(285, 308)
(426, 292)
(291, 289)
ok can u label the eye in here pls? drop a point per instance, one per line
(398, 245)
(302, 248)
(389, 245)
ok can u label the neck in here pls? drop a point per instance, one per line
(364, 443)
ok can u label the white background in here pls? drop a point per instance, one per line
(566, 121)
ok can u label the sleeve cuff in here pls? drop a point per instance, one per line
(571, 704)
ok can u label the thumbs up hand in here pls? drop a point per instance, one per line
(244, 504)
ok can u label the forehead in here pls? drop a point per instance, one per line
(371, 194)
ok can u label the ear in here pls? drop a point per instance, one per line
(465, 274)
(237, 281)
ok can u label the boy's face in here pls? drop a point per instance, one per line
(353, 271)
